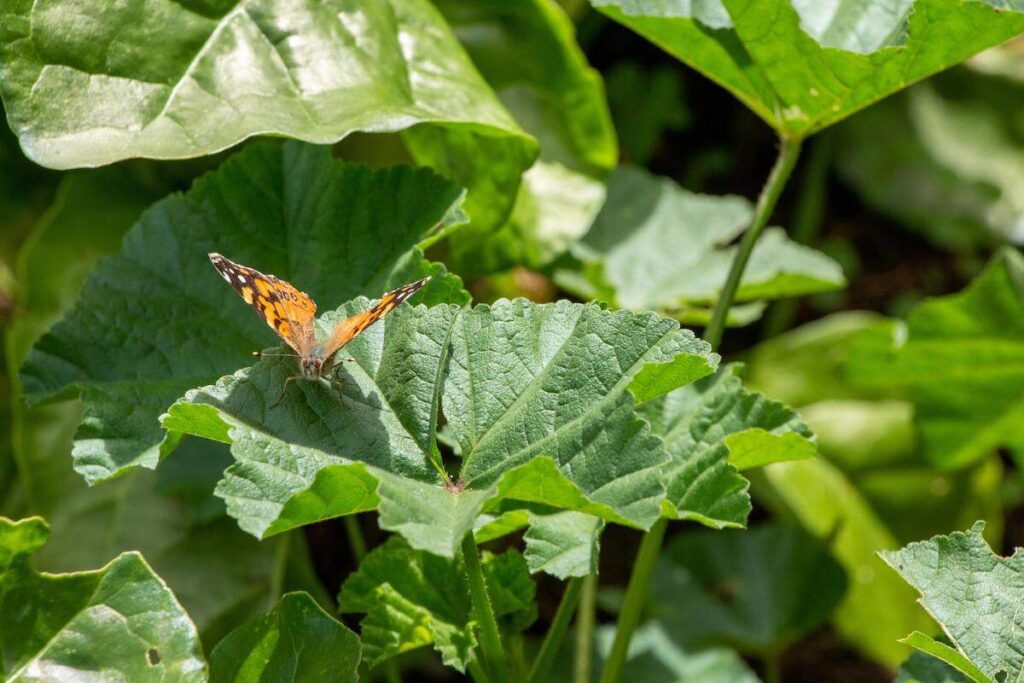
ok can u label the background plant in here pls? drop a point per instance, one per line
(237, 538)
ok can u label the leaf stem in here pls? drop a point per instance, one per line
(490, 639)
(556, 631)
(280, 568)
(356, 540)
(636, 598)
(789, 152)
(585, 618)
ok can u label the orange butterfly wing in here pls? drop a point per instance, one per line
(347, 329)
(288, 311)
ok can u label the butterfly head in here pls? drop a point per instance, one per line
(312, 365)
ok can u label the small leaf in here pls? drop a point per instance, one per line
(962, 356)
(802, 65)
(974, 594)
(947, 655)
(156, 320)
(633, 250)
(296, 641)
(121, 620)
(564, 544)
(412, 598)
(710, 429)
(538, 397)
(756, 591)
(922, 668)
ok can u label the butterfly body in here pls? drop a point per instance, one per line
(291, 313)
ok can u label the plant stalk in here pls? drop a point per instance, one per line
(789, 152)
(357, 544)
(585, 618)
(496, 663)
(637, 590)
(556, 631)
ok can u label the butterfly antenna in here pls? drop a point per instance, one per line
(261, 354)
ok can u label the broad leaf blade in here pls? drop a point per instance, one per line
(121, 619)
(412, 598)
(296, 641)
(539, 397)
(333, 229)
(973, 593)
(801, 65)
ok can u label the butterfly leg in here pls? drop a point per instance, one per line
(336, 381)
(283, 390)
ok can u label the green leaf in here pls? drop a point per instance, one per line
(962, 356)
(526, 51)
(412, 598)
(276, 207)
(922, 668)
(633, 250)
(296, 641)
(803, 65)
(710, 429)
(173, 81)
(756, 591)
(947, 655)
(121, 620)
(974, 594)
(562, 544)
(655, 656)
(539, 398)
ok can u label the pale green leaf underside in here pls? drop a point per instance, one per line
(963, 358)
(802, 65)
(974, 594)
(296, 641)
(85, 85)
(412, 598)
(121, 619)
(540, 399)
(562, 544)
(656, 245)
(946, 654)
(156, 319)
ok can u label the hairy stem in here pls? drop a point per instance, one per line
(585, 617)
(556, 631)
(496, 663)
(636, 597)
(789, 151)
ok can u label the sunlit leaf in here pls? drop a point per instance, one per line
(121, 620)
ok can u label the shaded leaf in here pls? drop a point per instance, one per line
(334, 229)
(756, 591)
(802, 65)
(88, 86)
(121, 620)
(562, 544)
(974, 594)
(712, 428)
(296, 641)
(922, 668)
(632, 250)
(962, 357)
(412, 598)
(539, 398)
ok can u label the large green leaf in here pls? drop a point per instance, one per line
(713, 428)
(526, 51)
(85, 86)
(296, 641)
(756, 591)
(540, 399)
(974, 594)
(635, 251)
(156, 320)
(962, 356)
(412, 598)
(120, 621)
(802, 65)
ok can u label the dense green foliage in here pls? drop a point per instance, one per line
(176, 509)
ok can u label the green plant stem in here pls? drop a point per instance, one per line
(556, 631)
(585, 618)
(809, 218)
(356, 540)
(636, 597)
(476, 671)
(284, 544)
(490, 639)
(772, 667)
(789, 152)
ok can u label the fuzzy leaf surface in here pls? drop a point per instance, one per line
(156, 319)
(802, 65)
(121, 620)
(539, 397)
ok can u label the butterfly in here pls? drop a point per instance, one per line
(290, 313)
